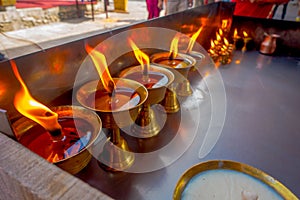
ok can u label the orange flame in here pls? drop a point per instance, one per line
(29, 107)
(174, 47)
(226, 42)
(100, 63)
(224, 23)
(193, 39)
(211, 51)
(141, 57)
(235, 33)
(218, 37)
(212, 44)
(245, 34)
(220, 32)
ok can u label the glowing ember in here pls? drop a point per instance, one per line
(31, 108)
(142, 59)
(193, 39)
(174, 47)
(100, 63)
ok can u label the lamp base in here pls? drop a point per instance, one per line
(170, 102)
(147, 124)
(184, 89)
(115, 155)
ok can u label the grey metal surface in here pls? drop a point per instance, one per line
(261, 129)
(5, 126)
(262, 125)
(262, 120)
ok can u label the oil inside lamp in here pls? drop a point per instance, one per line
(55, 137)
(179, 64)
(112, 98)
(155, 79)
(117, 102)
(144, 73)
(173, 60)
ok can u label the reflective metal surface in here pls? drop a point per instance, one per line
(261, 130)
(262, 120)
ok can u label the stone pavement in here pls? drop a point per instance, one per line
(24, 41)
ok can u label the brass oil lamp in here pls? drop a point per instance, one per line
(199, 57)
(235, 37)
(246, 40)
(180, 64)
(62, 135)
(156, 79)
(117, 102)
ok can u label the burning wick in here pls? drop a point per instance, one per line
(143, 59)
(34, 110)
(171, 56)
(111, 86)
(114, 97)
(174, 48)
(100, 63)
(193, 40)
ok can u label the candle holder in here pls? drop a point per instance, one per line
(199, 57)
(180, 66)
(81, 128)
(246, 40)
(157, 81)
(115, 155)
(235, 39)
(170, 102)
(225, 58)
